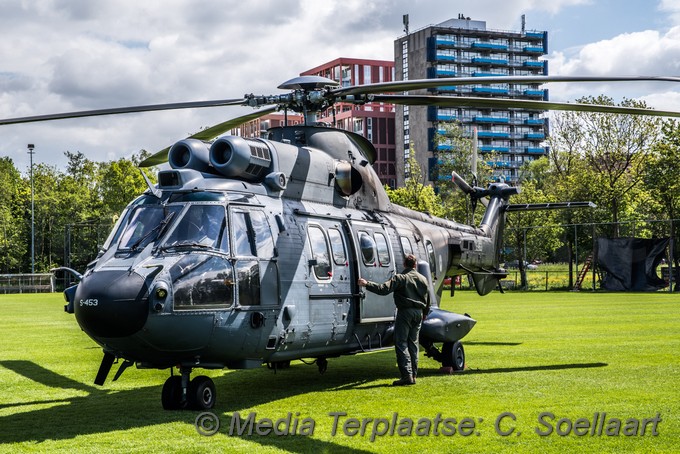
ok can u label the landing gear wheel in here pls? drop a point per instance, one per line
(453, 355)
(171, 396)
(201, 394)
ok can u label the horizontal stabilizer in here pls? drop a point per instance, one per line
(548, 206)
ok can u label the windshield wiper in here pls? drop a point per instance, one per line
(159, 229)
(186, 244)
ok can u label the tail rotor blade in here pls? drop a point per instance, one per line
(462, 184)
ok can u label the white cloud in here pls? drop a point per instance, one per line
(62, 55)
(645, 53)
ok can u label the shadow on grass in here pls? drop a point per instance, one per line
(499, 370)
(104, 410)
(495, 344)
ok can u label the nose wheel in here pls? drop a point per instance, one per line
(181, 394)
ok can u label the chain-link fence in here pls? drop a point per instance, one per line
(27, 283)
(574, 265)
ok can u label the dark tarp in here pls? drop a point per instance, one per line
(629, 264)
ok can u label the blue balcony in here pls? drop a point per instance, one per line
(534, 136)
(479, 119)
(485, 74)
(493, 134)
(536, 35)
(535, 150)
(489, 46)
(492, 148)
(490, 90)
(445, 72)
(444, 147)
(534, 121)
(445, 57)
(534, 93)
(448, 88)
(490, 61)
(443, 117)
(534, 64)
(534, 49)
(446, 42)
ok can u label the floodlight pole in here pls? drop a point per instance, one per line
(30, 152)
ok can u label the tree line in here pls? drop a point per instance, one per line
(74, 210)
(629, 166)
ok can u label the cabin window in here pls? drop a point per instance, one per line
(337, 247)
(252, 236)
(321, 262)
(263, 235)
(431, 257)
(248, 273)
(243, 235)
(383, 249)
(406, 246)
(202, 281)
(367, 246)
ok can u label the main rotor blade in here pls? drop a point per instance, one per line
(122, 110)
(504, 103)
(161, 157)
(417, 84)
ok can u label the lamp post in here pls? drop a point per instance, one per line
(30, 152)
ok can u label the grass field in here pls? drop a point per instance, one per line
(570, 354)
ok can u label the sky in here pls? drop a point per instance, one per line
(66, 55)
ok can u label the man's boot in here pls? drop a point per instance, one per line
(403, 381)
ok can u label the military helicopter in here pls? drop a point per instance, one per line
(248, 251)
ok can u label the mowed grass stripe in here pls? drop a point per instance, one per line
(571, 354)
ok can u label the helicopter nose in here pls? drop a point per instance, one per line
(111, 303)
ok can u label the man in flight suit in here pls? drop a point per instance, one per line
(412, 298)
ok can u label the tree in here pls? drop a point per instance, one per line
(662, 179)
(455, 150)
(532, 234)
(616, 148)
(12, 242)
(599, 157)
(415, 195)
(120, 182)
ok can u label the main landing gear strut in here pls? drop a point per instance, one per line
(181, 393)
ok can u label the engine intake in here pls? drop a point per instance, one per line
(236, 157)
(190, 154)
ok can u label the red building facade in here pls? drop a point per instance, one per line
(375, 121)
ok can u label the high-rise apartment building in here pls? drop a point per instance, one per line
(466, 48)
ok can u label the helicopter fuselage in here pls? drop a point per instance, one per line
(260, 264)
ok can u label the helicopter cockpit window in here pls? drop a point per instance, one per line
(147, 223)
(406, 246)
(201, 225)
(383, 249)
(337, 247)
(122, 222)
(367, 246)
(317, 242)
(202, 281)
